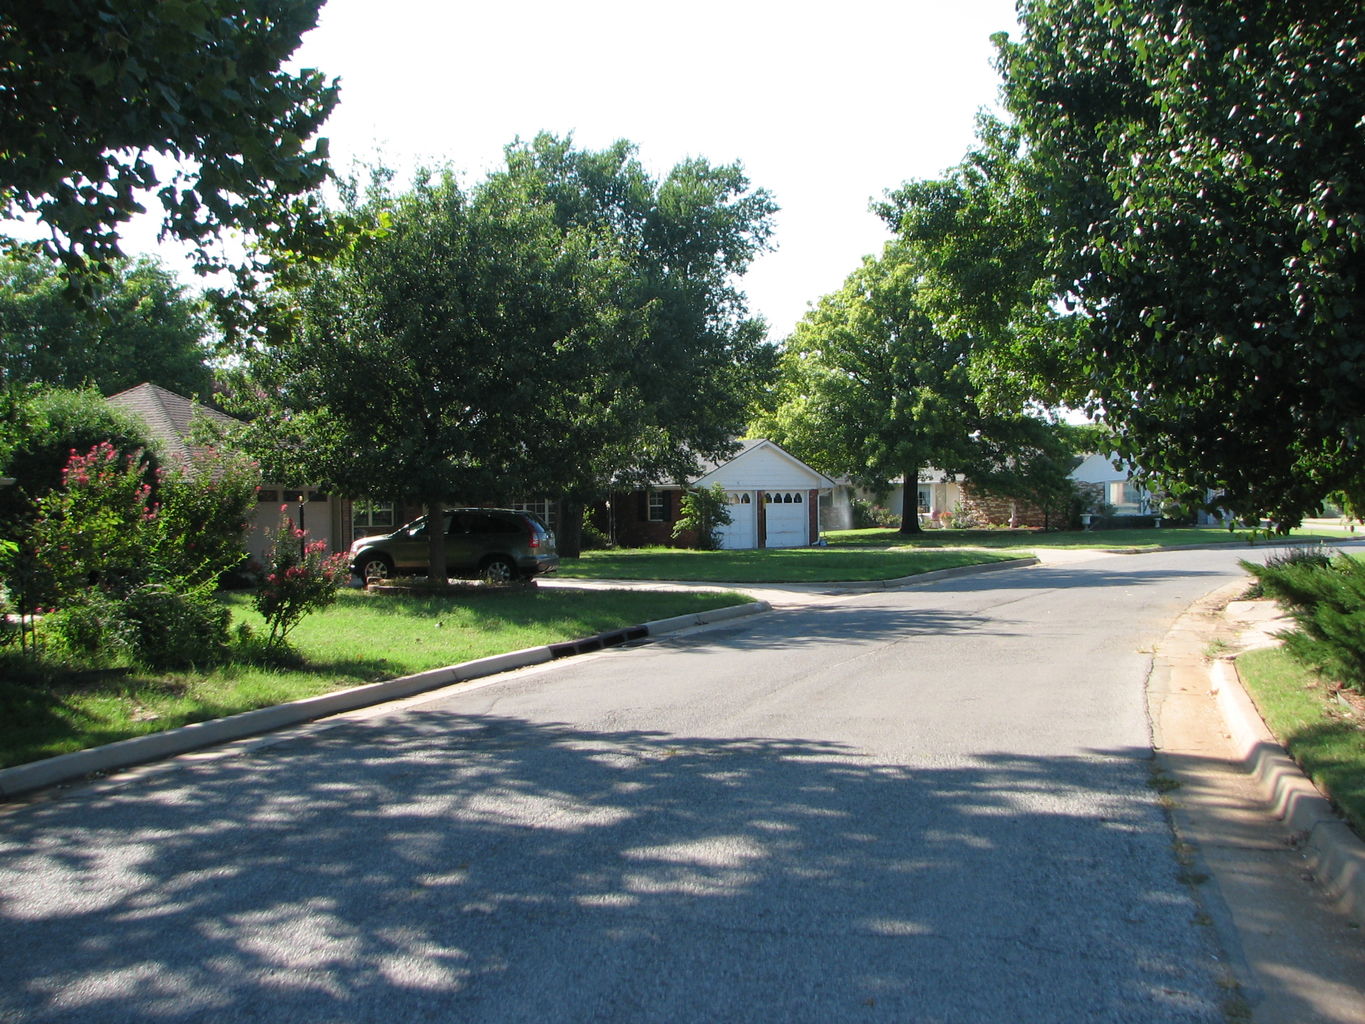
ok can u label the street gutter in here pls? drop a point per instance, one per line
(95, 761)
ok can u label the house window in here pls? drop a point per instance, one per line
(371, 516)
(1128, 495)
(658, 506)
(923, 500)
(546, 511)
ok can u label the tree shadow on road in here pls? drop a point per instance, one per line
(433, 865)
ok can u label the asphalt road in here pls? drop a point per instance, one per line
(931, 804)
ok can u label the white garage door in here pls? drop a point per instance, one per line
(742, 532)
(788, 519)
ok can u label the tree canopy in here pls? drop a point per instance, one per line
(667, 378)
(1200, 168)
(565, 323)
(107, 102)
(40, 428)
(138, 324)
(870, 389)
(420, 354)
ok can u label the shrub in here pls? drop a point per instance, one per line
(867, 515)
(300, 578)
(53, 424)
(87, 631)
(203, 514)
(1315, 555)
(154, 625)
(705, 510)
(961, 518)
(133, 577)
(95, 529)
(165, 628)
(593, 539)
(1328, 603)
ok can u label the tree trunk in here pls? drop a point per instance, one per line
(436, 539)
(910, 503)
(569, 536)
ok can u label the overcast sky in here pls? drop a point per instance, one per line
(826, 105)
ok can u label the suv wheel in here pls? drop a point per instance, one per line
(374, 565)
(498, 569)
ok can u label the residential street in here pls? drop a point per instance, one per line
(925, 804)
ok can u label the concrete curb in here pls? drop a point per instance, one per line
(1335, 854)
(51, 771)
(940, 574)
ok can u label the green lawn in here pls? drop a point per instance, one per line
(361, 639)
(1152, 539)
(879, 554)
(1319, 732)
(838, 562)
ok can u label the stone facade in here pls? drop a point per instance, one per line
(990, 509)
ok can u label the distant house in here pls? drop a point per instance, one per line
(1114, 479)
(935, 492)
(773, 498)
(168, 418)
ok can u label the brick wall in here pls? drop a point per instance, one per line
(996, 511)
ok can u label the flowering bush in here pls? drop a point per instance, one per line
(96, 528)
(867, 514)
(131, 575)
(300, 578)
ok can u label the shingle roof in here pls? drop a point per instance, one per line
(168, 416)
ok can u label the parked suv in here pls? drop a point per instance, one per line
(495, 544)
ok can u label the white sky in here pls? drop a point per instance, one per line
(826, 105)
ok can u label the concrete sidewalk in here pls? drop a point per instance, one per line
(1280, 876)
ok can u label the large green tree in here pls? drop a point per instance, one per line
(666, 378)
(870, 389)
(566, 325)
(138, 324)
(108, 102)
(979, 236)
(423, 356)
(1201, 166)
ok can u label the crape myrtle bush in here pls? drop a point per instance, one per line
(124, 568)
(1326, 597)
(300, 578)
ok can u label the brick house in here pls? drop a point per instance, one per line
(168, 418)
(774, 502)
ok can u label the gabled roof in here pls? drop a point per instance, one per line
(755, 444)
(168, 417)
(1101, 468)
(709, 466)
(927, 475)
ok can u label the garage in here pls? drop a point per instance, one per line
(742, 531)
(787, 519)
(770, 495)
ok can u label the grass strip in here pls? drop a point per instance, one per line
(1142, 539)
(1323, 736)
(361, 639)
(773, 565)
